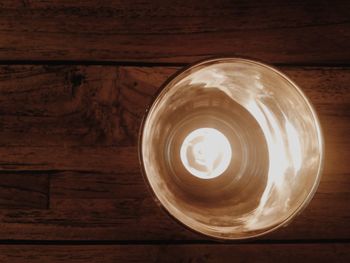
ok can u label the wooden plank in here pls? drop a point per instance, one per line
(103, 105)
(176, 253)
(160, 31)
(119, 207)
(96, 190)
(60, 105)
(80, 159)
(24, 190)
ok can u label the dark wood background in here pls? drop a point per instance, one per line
(75, 79)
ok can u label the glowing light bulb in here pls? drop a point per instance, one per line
(206, 153)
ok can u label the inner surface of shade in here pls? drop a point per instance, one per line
(232, 148)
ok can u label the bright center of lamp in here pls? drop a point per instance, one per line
(206, 153)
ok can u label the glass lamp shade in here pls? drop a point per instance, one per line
(231, 148)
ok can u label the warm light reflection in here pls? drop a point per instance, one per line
(294, 146)
(206, 153)
(284, 153)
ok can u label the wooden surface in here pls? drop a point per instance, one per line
(175, 31)
(176, 253)
(75, 80)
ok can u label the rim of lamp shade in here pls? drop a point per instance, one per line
(233, 59)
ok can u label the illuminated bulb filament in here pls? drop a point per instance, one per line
(206, 153)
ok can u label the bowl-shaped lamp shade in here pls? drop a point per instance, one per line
(231, 148)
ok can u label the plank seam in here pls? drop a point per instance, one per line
(153, 64)
(171, 242)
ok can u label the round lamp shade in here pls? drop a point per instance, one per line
(231, 148)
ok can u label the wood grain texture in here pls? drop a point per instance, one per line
(304, 32)
(79, 124)
(24, 190)
(242, 253)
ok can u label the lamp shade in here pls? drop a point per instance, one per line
(231, 148)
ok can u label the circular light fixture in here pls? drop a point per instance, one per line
(231, 148)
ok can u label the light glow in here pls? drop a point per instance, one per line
(206, 153)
